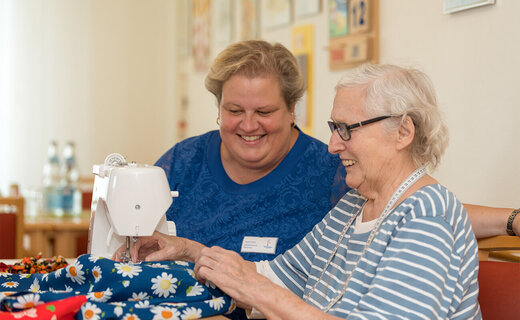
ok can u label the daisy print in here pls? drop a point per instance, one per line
(25, 276)
(139, 296)
(164, 284)
(191, 273)
(125, 283)
(158, 265)
(35, 286)
(5, 274)
(118, 308)
(182, 263)
(165, 313)
(194, 290)
(128, 269)
(143, 304)
(46, 277)
(216, 303)
(57, 273)
(100, 296)
(130, 316)
(75, 273)
(96, 272)
(27, 301)
(93, 258)
(191, 313)
(10, 284)
(90, 311)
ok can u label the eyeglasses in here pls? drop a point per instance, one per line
(345, 129)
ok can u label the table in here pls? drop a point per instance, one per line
(56, 235)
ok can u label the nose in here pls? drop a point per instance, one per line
(336, 144)
(249, 122)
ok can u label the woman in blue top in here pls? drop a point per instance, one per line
(259, 176)
(397, 246)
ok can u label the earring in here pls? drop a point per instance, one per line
(218, 120)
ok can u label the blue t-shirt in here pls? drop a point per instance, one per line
(287, 203)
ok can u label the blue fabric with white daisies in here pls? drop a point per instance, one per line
(146, 290)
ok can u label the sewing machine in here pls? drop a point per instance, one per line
(129, 200)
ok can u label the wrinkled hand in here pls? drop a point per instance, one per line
(231, 273)
(159, 247)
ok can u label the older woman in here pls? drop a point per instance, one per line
(399, 245)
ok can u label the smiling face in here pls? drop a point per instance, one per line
(255, 123)
(369, 154)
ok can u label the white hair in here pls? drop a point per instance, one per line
(402, 92)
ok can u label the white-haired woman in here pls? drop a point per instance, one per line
(399, 245)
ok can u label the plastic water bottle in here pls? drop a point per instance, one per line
(52, 201)
(70, 193)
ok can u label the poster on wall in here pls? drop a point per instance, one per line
(248, 19)
(451, 6)
(338, 18)
(275, 13)
(304, 8)
(221, 24)
(302, 48)
(201, 35)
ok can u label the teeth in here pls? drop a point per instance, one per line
(251, 138)
(348, 163)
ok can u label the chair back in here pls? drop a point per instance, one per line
(11, 227)
(499, 281)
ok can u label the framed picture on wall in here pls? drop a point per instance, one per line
(221, 24)
(275, 13)
(338, 18)
(304, 8)
(451, 6)
(201, 35)
(247, 23)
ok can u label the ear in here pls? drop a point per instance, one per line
(405, 134)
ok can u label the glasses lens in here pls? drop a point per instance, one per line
(342, 129)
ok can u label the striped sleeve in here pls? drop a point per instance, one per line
(428, 269)
(293, 267)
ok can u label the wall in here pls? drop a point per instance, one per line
(472, 58)
(100, 73)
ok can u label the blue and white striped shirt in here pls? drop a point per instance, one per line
(422, 264)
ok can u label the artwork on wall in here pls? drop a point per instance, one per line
(303, 48)
(201, 35)
(451, 6)
(360, 44)
(304, 8)
(248, 19)
(221, 24)
(338, 18)
(275, 13)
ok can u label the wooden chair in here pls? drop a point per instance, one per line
(499, 281)
(503, 248)
(11, 227)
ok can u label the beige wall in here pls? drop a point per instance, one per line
(472, 58)
(100, 73)
(103, 73)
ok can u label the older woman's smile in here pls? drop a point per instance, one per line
(348, 163)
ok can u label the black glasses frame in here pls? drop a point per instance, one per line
(344, 129)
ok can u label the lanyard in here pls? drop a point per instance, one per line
(405, 185)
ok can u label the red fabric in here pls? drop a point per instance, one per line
(57, 310)
(499, 290)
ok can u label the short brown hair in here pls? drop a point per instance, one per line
(254, 58)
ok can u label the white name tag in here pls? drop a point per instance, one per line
(259, 245)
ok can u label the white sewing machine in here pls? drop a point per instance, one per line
(129, 200)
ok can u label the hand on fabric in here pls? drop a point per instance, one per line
(232, 274)
(160, 247)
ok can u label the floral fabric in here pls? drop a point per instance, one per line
(113, 290)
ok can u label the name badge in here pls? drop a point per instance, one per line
(259, 245)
